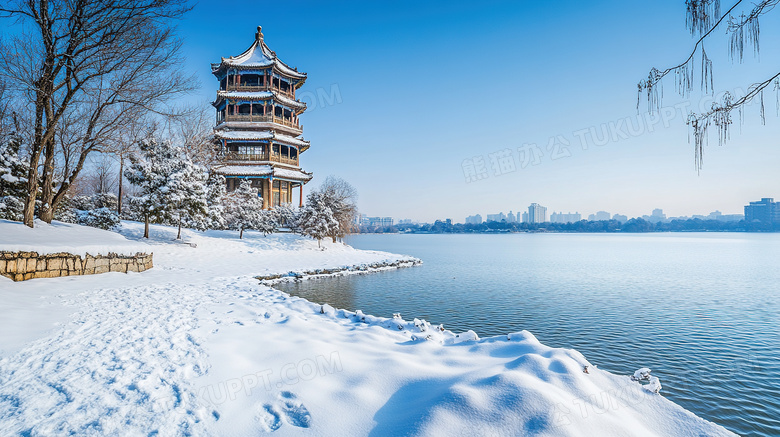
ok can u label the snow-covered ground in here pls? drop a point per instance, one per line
(196, 346)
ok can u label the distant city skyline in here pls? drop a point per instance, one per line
(765, 209)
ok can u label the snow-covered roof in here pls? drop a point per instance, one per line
(246, 135)
(263, 170)
(259, 56)
(249, 135)
(260, 95)
(291, 140)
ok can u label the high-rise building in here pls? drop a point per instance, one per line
(657, 216)
(599, 216)
(537, 213)
(510, 218)
(474, 220)
(559, 217)
(620, 217)
(496, 217)
(765, 210)
(525, 217)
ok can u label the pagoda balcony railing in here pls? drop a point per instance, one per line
(257, 88)
(274, 157)
(264, 118)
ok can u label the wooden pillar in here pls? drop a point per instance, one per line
(266, 193)
(300, 204)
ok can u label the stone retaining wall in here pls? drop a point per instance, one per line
(21, 266)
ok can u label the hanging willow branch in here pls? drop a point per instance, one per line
(684, 70)
(720, 116)
(702, 14)
(746, 29)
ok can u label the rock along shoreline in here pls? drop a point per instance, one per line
(357, 269)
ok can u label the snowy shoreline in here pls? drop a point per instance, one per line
(196, 346)
(358, 269)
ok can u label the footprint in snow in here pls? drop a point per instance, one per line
(293, 410)
(287, 408)
(270, 418)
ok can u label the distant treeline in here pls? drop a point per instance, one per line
(633, 225)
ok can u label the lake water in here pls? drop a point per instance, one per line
(701, 310)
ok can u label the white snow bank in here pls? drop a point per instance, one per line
(58, 237)
(196, 346)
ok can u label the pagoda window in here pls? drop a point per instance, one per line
(278, 111)
(223, 83)
(257, 108)
(244, 109)
(276, 150)
(285, 152)
(251, 151)
(293, 153)
(251, 80)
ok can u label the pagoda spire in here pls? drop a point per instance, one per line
(259, 34)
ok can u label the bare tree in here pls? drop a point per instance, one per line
(341, 197)
(195, 130)
(87, 68)
(124, 143)
(102, 177)
(703, 17)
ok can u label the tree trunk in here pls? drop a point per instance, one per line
(121, 178)
(178, 236)
(29, 204)
(146, 225)
(241, 234)
(46, 212)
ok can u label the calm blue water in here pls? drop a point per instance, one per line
(701, 310)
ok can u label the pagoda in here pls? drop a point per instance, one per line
(257, 123)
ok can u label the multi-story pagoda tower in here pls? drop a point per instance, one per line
(257, 123)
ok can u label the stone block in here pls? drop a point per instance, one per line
(10, 266)
(41, 265)
(89, 263)
(101, 269)
(53, 263)
(3, 264)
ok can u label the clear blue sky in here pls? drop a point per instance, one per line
(423, 87)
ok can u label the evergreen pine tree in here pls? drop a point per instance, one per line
(243, 207)
(317, 219)
(13, 180)
(171, 186)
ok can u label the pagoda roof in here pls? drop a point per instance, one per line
(258, 56)
(264, 170)
(260, 95)
(249, 135)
